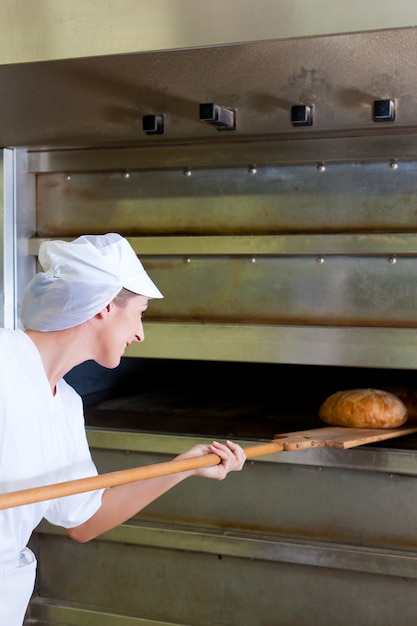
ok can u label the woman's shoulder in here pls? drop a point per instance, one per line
(12, 337)
(15, 345)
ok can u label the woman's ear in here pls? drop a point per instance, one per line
(104, 312)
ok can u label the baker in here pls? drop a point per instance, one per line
(86, 304)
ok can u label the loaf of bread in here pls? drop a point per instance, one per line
(408, 396)
(363, 408)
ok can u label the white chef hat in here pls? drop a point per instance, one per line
(80, 278)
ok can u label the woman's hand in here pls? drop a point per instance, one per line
(231, 454)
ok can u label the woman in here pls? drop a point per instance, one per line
(87, 304)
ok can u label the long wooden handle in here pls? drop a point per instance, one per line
(81, 485)
(334, 437)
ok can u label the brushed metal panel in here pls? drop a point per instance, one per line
(357, 347)
(44, 612)
(100, 101)
(18, 218)
(393, 245)
(199, 588)
(388, 460)
(374, 144)
(341, 291)
(338, 504)
(265, 547)
(345, 198)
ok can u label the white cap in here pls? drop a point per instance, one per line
(80, 278)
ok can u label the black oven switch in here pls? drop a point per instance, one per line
(302, 115)
(153, 124)
(220, 117)
(384, 110)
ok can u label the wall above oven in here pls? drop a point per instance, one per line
(40, 31)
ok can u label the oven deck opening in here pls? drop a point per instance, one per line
(224, 400)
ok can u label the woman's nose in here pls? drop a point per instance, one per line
(140, 335)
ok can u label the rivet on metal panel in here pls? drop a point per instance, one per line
(252, 169)
(68, 177)
(321, 167)
(393, 164)
(187, 260)
(126, 175)
(392, 259)
(320, 260)
(187, 171)
(252, 259)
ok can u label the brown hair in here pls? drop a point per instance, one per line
(123, 296)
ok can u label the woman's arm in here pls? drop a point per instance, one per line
(120, 503)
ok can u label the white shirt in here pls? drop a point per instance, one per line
(42, 441)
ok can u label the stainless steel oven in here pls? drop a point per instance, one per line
(270, 190)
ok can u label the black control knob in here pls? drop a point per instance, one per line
(384, 110)
(220, 117)
(302, 115)
(153, 124)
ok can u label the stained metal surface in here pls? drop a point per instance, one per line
(100, 101)
(283, 264)
(363, 198)
(285, 291)
(342, 190)
(264, 547)
(386, 459)
(241, 591)
(292, 527)
(393, 245)
(181, 571)
(18, 224)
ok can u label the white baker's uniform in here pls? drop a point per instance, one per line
(42, 441)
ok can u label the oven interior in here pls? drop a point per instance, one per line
(216, 399)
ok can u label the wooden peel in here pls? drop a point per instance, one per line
(330, 437)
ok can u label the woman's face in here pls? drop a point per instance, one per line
(122, 325)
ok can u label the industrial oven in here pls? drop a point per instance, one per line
(270, 190)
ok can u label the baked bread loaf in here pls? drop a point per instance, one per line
(363, 408)
(409, 397)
